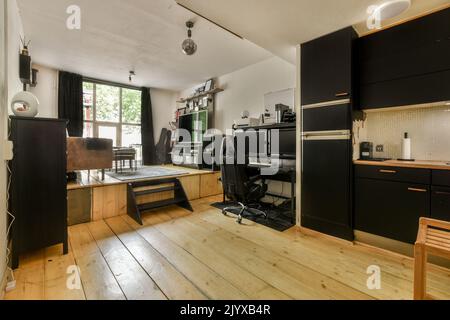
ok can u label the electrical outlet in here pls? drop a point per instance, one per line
(380, 148)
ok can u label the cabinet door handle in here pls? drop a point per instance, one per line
(417, 190)
(342, 94)
(388, 171)
(443, 193)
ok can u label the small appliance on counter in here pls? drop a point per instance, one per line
(366, 151)
(280, 110)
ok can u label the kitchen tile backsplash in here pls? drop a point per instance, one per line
(429, 129)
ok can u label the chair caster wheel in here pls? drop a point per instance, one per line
(239, 220)
(224, 213)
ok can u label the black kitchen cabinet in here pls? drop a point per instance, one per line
(327, 67)
(407, 64)
(440, 195)
(390, 209)
(326, 187)
(39, 187)
(440, 203)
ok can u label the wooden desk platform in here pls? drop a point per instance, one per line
(108, 198)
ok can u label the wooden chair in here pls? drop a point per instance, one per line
(433, 238)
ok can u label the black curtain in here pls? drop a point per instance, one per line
(148, 139)
(70, 102)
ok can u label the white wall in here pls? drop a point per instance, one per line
(46, 91)
(3, 113)
(245, 89)
(14, 30)
(163, 108)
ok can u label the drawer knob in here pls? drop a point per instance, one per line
(417, 190)
(388, 171)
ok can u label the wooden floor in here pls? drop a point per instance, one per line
(204, 255)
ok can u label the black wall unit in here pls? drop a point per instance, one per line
(327, 67)
(39, 187)
(407, 64)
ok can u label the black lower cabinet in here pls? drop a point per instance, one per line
(440, 203)
(390, 209)
(39, 186)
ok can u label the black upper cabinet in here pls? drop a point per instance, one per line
(407, 64)
(326, 70)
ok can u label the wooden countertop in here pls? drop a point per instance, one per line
(94, 179)
(419, 164)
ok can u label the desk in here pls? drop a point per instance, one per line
(283, 175)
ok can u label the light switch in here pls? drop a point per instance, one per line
(7, 150)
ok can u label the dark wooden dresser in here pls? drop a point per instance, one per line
(38, 193)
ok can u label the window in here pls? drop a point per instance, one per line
(112, 112)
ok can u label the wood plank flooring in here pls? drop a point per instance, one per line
(204, 255)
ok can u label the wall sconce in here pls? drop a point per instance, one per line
(25, 104)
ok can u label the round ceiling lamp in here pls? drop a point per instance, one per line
(189, 46)
(393, 8)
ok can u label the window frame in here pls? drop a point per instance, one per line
(118, 125)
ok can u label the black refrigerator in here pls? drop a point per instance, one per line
(327, 168)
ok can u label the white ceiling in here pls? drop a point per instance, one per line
(117, 36)
(280, 25)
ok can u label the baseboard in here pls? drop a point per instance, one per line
(318, 234)
(3, 284)
(335, 230)
(394, 248)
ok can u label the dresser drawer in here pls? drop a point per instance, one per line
(399, 174)
(441, 178)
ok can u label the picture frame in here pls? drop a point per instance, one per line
(209, 85)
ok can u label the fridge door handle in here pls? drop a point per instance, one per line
(327, 135)
(343, 102)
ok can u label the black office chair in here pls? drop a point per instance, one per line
(238, 185)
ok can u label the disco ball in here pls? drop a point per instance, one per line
(189, 47)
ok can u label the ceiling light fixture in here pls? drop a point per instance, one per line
(189, 46)
(393, 8)
(131, 75)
